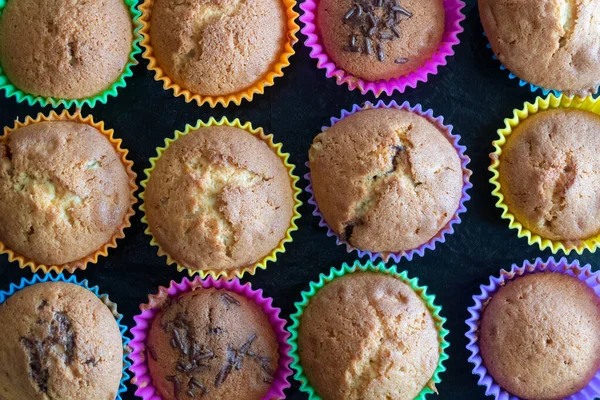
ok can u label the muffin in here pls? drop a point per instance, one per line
(539, 336)
(59, 341)
(217, 47)
(380, 39)
(552, 44)
(547, 173)
(385, 180)
(65, 49)
(212, 344)
(219, 199)
(380, 339)
(64, 191)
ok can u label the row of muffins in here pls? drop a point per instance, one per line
(226, 51)
(220, 198)
(219, 339)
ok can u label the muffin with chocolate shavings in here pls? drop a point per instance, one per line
(219, 199)
(380, 39)
(385, 180)
(212, 344)
(59, 341)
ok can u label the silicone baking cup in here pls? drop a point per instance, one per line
(143, 322)
(452, 29)
(11, 90)
(562, 266)
(247, 94)
(379, 268)
(119, 233)
(541, 104)
(448, 229)
(4, 295)
(276, 147)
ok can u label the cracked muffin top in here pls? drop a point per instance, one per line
(64, 191)
(217, 47)
(219, 198)
(368, 335)
(64, 48)
(59, 341)
(554, 44)
(385, 180)
(539, 336)
(549, 174)
(212, 344)
(380, 39)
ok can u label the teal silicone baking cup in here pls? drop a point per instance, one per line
(11, 90)
(358, 267)
(13, 288)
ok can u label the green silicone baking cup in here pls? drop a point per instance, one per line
(368, 266)
(11, 90)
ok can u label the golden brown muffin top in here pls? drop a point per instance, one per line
(368, 335)
(386, 180)
(401, 37)
(549, 174)
(59, 341)
(217, 47)
(64, 48)
(219, 198)
(212, 344)
(539, 336)
(550, 43)
(64, 191)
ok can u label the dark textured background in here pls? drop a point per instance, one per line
(471, 93)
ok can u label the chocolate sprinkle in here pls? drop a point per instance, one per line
(401, 60)
(176, 384)
(229, 300)
(374, 20)
(152, 352)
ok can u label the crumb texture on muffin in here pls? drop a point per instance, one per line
(368, 336)
(212, 344)
(59, 341)
(63, 48)
(385, 180)
(219, 198)
(554, 44)
(380, 39)
(549, 174)
(217, 47)
(539, 336)
(64, 191)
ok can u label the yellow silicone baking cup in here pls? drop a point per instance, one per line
(119, 233)
(541, 104)
(272, 256)
(247, 94)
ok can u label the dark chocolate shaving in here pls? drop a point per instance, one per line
(375, 20)
(176, 384)
(42, 305)
(37, 357)
(229, 300)
(91, 361)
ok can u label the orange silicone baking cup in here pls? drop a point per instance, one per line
(119, 233)
(284, 157)
(247, 94)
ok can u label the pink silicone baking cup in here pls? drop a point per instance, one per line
(452, 29)
(143, 321)
(562, 266)
(448, 229)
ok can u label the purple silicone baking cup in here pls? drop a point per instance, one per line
(448, 229)
(143, 321)
(452, 29)
(562, 266)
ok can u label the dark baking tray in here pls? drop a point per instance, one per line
(472, 94)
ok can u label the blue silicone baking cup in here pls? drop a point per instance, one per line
(5, 294)
(522, 83)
